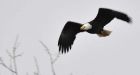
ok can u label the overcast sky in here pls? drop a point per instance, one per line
(34, 20)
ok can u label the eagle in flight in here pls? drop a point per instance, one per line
(95, 26)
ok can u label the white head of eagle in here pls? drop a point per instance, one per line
(86, 26)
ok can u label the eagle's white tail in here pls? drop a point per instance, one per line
(104, 33)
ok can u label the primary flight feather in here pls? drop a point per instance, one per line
(95, 26)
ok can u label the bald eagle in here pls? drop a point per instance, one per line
(95, 26)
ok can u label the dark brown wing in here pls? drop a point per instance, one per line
(68, 36)
(105, 15)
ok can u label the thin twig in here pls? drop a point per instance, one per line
(50, 55)
(11, 66)
(47, 50)
(19, 55)
(14, 60)
(14, 54)
(4, 65)
(9, 54)
(56, 58)
(37, 66)
(16, 43)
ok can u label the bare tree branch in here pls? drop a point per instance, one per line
(18, 55)
(16, 45)
(4, 65)
(11, 65)
(56, 58)
(51, 58)
(9, 54)
(13, 56)
(47, 50)
(14, 60)
(37, 67)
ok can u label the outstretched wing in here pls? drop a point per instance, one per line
(68, 36)
(105, 15)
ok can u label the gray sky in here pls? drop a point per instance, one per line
(35, 20)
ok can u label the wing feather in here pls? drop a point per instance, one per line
(68, 36)
(105, 16)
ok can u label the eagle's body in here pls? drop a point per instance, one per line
(95, 26)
